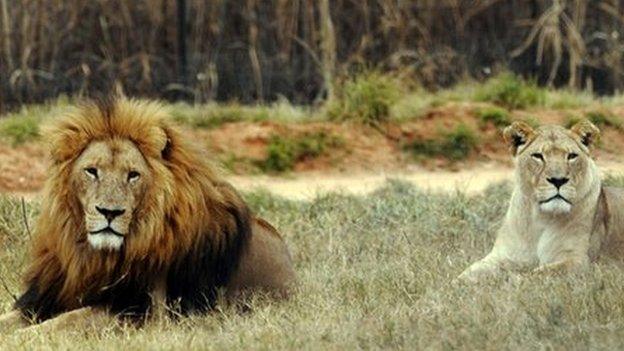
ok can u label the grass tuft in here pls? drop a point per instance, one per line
(367, 98)
(213, 115)
(455, 145)
(283, 153)
(19, 130)
(494, 115)
(601, 118)
(511, 92)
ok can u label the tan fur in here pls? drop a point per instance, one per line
(176, 203)
(544, 231)
(260, 268)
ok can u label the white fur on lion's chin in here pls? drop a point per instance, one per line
(104, 241)
(556, 206)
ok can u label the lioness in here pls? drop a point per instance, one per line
(560, 216)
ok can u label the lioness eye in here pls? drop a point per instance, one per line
(538, 156)
(572, 156)
(133, 175)
(91, 171)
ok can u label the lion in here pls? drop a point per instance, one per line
(135, 220)
(560, 216)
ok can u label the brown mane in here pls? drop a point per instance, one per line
(191, 227)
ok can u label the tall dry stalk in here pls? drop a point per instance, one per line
(555, 31)
(250, 50)
(6, 35)
(253, 49)
(328, 47)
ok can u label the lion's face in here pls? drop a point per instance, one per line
(110, 179)
(553, 164)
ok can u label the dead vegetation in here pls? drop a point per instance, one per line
(259, 51)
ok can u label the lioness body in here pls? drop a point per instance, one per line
(134, 218)
(560, 217)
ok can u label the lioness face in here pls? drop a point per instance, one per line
(553, 164)
(110, 178)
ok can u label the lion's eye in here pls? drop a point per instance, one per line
(572, 156)
(133, 175)
(538, 156)
(91, 172)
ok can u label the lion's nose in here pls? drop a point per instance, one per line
(558, 182)
(110, 214)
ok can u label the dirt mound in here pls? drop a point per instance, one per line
(243, 147)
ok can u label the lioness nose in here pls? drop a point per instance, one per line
(558, 182)
(110, 214)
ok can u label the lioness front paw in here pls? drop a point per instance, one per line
(557, 268)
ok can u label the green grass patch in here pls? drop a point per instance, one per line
(213, 115)
(284, 152)
(23, 125)
(455, 145)
(569, 99)
(496, 116)
(601, 118)
(366, 98)
(18, 130)
(511, 92)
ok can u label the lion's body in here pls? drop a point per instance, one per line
(185, 232)
(560, 217)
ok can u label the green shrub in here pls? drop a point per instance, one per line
(213, 115)
(509, 91)
(614, 180)
(497, 116)
(367, 98)
(19, 130)
(284, 152)
(207, 116)
(604, 118)
(601, 118)
(455, 145)
(532, 121)
(23, 125)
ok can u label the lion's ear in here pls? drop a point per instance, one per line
(586, 132)
(164, 141)
(518, 134)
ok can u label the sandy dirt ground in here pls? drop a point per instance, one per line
(308, 186)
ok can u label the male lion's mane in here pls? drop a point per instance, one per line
(190, 226)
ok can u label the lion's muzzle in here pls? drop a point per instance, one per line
(105, 231)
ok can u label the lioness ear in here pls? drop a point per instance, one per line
(587, 132)
(518, 134)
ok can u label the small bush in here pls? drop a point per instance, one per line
(284, 152)
(455, 145)
(604, 118)
(601, 118)
(509, 91)
(19, 130)
(532, 121)
(497, 116)
(207, 116)
(213, 115)
(367, 98)
(614, 180)
(569, 99)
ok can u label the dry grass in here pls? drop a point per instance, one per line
(375, 273)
